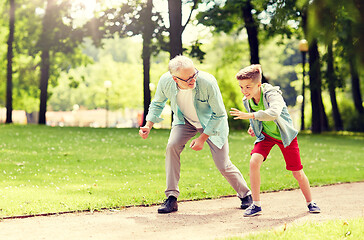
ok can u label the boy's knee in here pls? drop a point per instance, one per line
(299, 174)
(256, 161)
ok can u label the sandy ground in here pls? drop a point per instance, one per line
(207, 219)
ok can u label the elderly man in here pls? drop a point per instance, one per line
(197, 106)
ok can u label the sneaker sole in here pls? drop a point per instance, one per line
(315, 211)
(254, 214)
(174, 210)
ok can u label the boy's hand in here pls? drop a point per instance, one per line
(251, 132)
(240, 115)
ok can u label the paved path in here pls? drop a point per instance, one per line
(207, 219)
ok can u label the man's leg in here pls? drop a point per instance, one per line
(178, 138)
(228, 169)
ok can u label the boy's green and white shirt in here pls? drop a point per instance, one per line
(269, 127)
(276, 111)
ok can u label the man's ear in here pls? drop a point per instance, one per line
(174, 79)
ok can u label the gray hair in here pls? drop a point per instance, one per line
(179, 62)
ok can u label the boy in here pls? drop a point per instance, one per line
(271, 123)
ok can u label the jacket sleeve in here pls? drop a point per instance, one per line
(218, 110)
(276, 104)
(157, 105)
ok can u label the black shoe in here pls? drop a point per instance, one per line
(246, 201)
(313, 208)
(169, 205)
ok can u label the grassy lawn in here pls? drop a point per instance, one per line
(45, 169)
(333, 229)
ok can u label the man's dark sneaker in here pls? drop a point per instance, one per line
(169, 205)
(313, 208)
(246, 201)
(253, 210)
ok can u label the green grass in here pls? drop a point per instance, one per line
(45, 169)
(329, 230)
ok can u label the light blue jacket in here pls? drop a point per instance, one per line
(208, 102)
(275, 110)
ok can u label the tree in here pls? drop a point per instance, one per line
(354, 72)
(147, 35)
(325, 26)
(9, 85)
(283, 14)
(175, 26)
(57, 39)
(332, 81)
(235, 15)
(137, 18)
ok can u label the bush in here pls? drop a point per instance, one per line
(238, 124)
(352, 120)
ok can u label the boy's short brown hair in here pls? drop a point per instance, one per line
(253, 72)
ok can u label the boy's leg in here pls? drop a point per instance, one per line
(228, 169)
(258, 155)
(293, 163)
(255, 163)
(304, 184)
(178, 138)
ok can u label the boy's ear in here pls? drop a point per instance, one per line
(259, 84)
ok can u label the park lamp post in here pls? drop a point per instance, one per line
(107, 85)
(303, 47)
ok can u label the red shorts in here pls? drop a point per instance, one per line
(291, 153)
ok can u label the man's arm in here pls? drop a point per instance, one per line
(197, 143)
(158, 103)
(218, 109)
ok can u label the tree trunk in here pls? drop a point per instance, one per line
(315, 87)
(252, 31)
(355, 81)
(332, 81)
(45, 61)
(359, 4)
(147, 40)
(175, 27)
(9, 83)
(44, 86)
(355, 85)
(303, 91)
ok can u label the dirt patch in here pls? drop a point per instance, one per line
(206, 219)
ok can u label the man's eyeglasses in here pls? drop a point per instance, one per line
(190, 79)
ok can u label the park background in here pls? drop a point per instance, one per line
(86, 62)
(77, 77)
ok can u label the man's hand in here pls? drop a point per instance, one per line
(251, 132)
(144, 131)
(197, 143)
(240, 115)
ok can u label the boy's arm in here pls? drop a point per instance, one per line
(276, 104)
(241, 115)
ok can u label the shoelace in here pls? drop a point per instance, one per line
(251, 207)
(313, 205)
